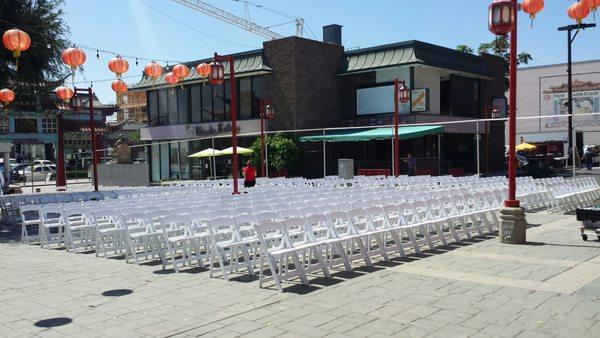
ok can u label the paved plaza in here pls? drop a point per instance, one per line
(479, 288)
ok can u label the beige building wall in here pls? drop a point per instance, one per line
(541, 91)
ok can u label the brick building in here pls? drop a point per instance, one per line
(315, 84)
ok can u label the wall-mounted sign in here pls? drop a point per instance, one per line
(420, 100)
(586, 100)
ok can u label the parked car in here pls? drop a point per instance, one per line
(40, 173)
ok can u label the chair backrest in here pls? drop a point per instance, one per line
(77, 216)
(223, 230)
(174, 224)
(341, 224)
(296, 231)
(52, 214)
(30, 214)
(271, 235)
(320, 227)
(378, 218)
(266, 215)
(360, 220)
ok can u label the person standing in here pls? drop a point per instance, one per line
(412, 162)
(589, 158)
(249, 173)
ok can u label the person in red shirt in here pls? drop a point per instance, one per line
(249, 173)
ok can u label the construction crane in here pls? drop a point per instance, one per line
(220, 14)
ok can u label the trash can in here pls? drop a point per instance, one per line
(346, 168)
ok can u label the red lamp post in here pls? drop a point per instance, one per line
(267, 112)
(502, 20)
(401, 95)
(217, 77)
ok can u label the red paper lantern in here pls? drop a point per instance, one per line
(64, 93)
(119, 86)
(592, 4)
(118, 65)
(532, 7)
(181, 71)
(501, 17)
(217, 73)
(16, 41)
(203, 70)
(153, 70)
(6, 96)
(578, 11)
(171, 78)
(73, 57)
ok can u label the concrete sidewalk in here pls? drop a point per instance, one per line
(480, 288)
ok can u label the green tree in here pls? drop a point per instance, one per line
(464, 49)
(41, 64)
(283, 152)
(500, 47)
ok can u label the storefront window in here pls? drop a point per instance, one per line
(227, 99)
(258, 92)
(172, 94)
(207, 104)
(25, 125)
(163, 106)
(49, 125)
(245, 98)
(196, 102)
(155, 151)
(164, 161)
(183, 156)
(218, 103)
(174, 161)
(153, 108)
(182, 104)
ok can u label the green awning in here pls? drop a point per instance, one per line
(404, 133)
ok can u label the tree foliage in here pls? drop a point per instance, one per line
(464, 49)
(41, 63)
(283, 153)
(500, 47)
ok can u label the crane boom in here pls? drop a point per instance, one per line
(220, 14)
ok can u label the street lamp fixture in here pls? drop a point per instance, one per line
(502, 16)
(217, 73)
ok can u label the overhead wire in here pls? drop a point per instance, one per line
(193, 28)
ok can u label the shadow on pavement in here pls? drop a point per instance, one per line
(53, 322)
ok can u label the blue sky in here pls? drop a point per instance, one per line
(137, 27)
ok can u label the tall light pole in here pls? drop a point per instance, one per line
(267, 112)
(217, 77)
(570, 38)
(503, 20)
(401, 95)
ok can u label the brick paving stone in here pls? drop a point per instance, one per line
(38, 284)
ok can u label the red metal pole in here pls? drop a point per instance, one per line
(396, 140)
(93, 140)
(61, 182)
(512, 201)
(234, 159)
(262, 138)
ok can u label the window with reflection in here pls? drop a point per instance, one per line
(172, 106)
(245, 105)
(258, 92)
(196, 103)
(163, 117)
(218, 103)
(152, 108)
(207, 104)
(182, 104)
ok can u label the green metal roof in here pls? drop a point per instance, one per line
(246, 64)
(404, 133)
(412, 52)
